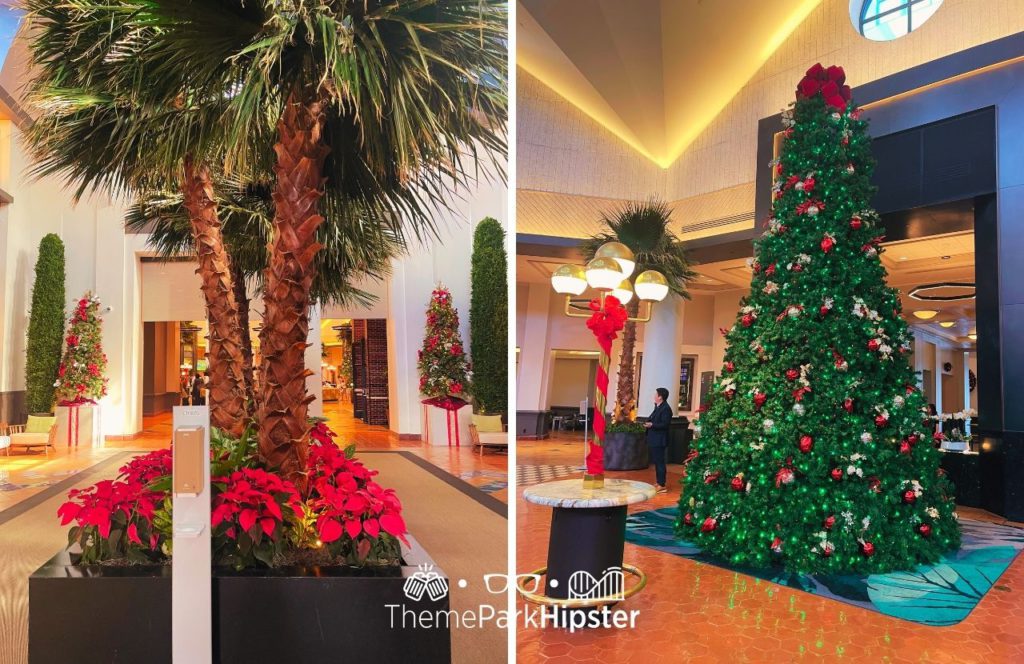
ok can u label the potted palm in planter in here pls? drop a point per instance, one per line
(356, 113)
(644, 228)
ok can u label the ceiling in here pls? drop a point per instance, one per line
(911, 263)
(653, 72)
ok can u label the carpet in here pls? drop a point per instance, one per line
(463, 529)
(941, 594)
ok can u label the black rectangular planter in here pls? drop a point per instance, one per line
(113, 615)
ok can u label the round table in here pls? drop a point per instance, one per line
(588, 535)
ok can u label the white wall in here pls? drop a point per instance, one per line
(443, 260)
(572, 381)
(100, 257)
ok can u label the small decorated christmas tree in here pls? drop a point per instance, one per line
(815, 452)
(443, 368)
(81, 376)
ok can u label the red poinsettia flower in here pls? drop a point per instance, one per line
(350, 507)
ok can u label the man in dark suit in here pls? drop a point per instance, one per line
(657, 435)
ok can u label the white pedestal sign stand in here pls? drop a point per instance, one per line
(191, 584)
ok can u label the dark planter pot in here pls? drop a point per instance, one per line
(107, 615)
(625, 451)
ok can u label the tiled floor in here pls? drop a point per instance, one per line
(690, 612)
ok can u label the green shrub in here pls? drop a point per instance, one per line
(625, 427)
(488, 318)
(45, 326)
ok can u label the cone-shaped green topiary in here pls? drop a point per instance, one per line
(45, 326)
(488, 318)
(816, 453)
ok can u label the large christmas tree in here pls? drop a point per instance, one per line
(443, 368)
(81, 374)
(814, 452)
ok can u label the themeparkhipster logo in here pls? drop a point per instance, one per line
(426, 585)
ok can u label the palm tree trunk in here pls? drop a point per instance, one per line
(226, 388)
(625, 401)
(242, 300)
(283, 401)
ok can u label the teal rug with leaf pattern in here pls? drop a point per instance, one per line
(941, 594)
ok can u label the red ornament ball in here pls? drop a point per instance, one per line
(747, 320)
(848, 405)
(925, 529)
(826, 551)
(806, 443)
(856, 223)
(730, 367)
(905, 447)
(912, 439)
(868, 549)
(777, 545)
(823, 310)
(792, 374)
(709, 524)
(827, 244)
(909, 496)
(836, 474)
(881, 420)
(873, 345)
(759, 399)
(737, 483)
(829, 522)
(688, 519)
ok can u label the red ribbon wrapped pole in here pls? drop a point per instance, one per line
(608, 319)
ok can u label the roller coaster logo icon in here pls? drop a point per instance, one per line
(611, 585)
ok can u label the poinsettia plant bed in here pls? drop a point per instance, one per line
(313, 572)
(258, 518)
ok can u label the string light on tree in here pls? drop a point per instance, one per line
(826, 440)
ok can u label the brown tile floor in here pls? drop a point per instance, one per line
(690, 612)
(23, 475)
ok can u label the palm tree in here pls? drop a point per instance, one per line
(361, 247)
(90, 131)
(392, 104)
(644, 228)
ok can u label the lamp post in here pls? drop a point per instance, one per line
(608, 273)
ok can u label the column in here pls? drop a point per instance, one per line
(663, 341)
(534, 377)
(314, 384)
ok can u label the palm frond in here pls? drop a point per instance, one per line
(643, 226)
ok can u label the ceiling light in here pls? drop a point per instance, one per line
(946, 258)
(604, 273)
(651, 286)
(624, 291)
(959, 293)
(569, 280)
(925, 314)
(947, 323)
(903, 258)
(622, 255)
